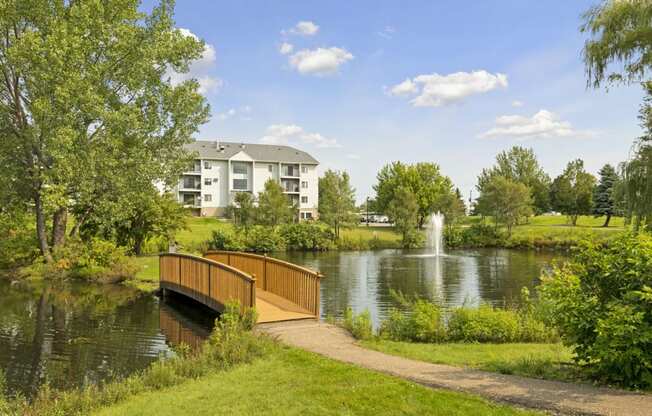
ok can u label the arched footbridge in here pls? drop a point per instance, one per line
(280, 291)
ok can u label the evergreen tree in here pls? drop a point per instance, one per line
(604, 193)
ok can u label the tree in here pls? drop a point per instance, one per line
(604, 203)
(506, 200)
(87, 105)
(519, 164)
(637, 180)
(274, 208)
(337, 201)
(572, 191)
(243, 211)
(403, 211)
(620, 33)
(433, 191)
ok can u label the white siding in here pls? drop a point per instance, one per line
(312, 192)
(217, 189)
(262, 175)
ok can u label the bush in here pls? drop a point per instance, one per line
(477, 235)
(96, 260)
(358, 325)
(18, 245)
(422, 321)
(263, 239)
(307, 236)
(601, 302)
(225, 240)
(483, 324)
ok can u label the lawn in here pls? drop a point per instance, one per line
(549, 361)
(294, 382)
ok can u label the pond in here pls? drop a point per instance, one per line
(77, 334)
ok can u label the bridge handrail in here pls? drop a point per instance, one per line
(240, 273)
(266, 257)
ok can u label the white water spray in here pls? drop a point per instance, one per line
(435, 233)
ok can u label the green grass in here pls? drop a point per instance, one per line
(294, 382)
(199, 230)
(548, 361)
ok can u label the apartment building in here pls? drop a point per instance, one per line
(223, 168)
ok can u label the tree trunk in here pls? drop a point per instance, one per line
(574, 220)
(41, 232)
(138, 246)
(59, 223)
(606, 222)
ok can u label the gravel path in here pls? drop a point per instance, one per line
(566, 398)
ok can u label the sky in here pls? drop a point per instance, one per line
(359, 84)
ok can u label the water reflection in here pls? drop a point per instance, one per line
(79, 334)
(363, 280)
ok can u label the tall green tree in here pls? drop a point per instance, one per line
(572, 191)
(403, 211)
(337, 201)
(274, 207)
(506, 201)
(433, 191)
(604, 198)
(520, 164)
(86, 104)
(243, 211)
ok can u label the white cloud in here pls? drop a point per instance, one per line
(304, 28)
(434, 90)
(199, 69)
(517, 103)
(227, 114)
(285, 48)
(320, 61)
(387, 32)
(232, 112)
(288, 133)
(543, 124)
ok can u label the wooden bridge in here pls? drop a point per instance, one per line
(280, 291)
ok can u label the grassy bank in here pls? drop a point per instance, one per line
(547, 361)
(293, 382)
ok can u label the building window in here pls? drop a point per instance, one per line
(207, 181)
(304, 184)
(270, 168)
(240, 184)
(304, 169)
(208, 197)
(207, 164)
(240, 168)
(304, 199)
(308, 215)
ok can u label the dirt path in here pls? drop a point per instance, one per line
(565, 398)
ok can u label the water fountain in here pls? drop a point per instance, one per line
(435, 233)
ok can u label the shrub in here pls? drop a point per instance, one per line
(477, 235)
(421, 321)
(358, 325)
(223, 239)
(601, 303)
(17, 241)
(263, 239)
(307, 236)
(483, 324)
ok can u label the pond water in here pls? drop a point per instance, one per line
(75, 334)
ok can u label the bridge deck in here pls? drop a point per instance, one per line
(273, 308)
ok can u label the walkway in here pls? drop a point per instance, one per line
(273, 308)
(565, 398)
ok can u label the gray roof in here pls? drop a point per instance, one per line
(259, 152)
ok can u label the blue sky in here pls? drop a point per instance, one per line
(366, 83)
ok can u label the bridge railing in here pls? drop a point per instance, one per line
(294, 283)
(207, 281)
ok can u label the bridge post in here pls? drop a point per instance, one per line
(253, 292)
(265, 272)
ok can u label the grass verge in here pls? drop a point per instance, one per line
(545, 361)
(293, 382)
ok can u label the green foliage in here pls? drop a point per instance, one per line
(507, 201)
(97, 260)
(520, 165)
(418, 321)
(17, 240)
(274, 208)
(358, 325)
(263, 239)
(604, 201)
(619, 33)
(224, 239)
(243, 212)
(477, 235)
(337, 201)
(307, 236)
(571, 192)
(483, 324)
(403, 211)
(432, 190)
(601, 302)
(91, 118)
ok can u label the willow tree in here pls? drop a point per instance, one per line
(86, 107)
